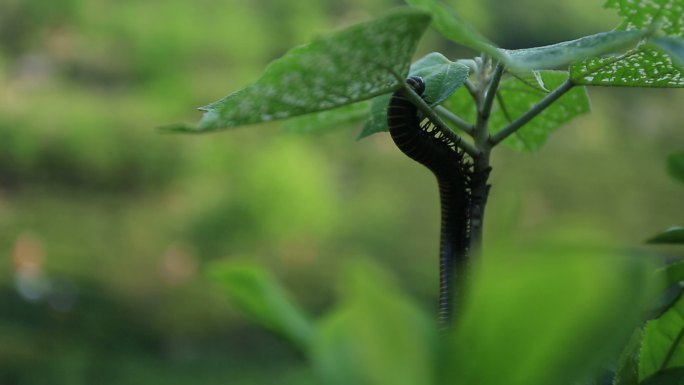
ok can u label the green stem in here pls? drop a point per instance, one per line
(437, 121)
(456, 120)
(531, 113)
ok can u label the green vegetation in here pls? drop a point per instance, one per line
(108, 225)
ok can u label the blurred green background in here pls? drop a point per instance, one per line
(106, 225)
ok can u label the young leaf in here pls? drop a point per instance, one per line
(675, 166)
(663, 343)
(517, 96)
(671, 46)
(259, 295)
(562, 54)
(673, 235)
(643, 66)
(442, 78)
(537, 320)
(376, 337)
(351, 65)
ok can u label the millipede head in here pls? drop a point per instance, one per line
(417, 84)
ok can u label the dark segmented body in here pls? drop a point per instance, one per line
(423, 144)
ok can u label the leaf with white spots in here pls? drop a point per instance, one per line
(349, 66)
(643, 66)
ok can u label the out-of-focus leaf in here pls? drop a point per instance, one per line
(644, 66)
(260, 296)
(674, 376)
(675, 166)
(671, 274)
(672, 46)
(627, 371)
(561, 54)
(442, 78)
(537, 320)
(376, 337)
(447, 22)
(673, 235)
(329, 119)
(663, 342)
(518, 97)
(352, 65)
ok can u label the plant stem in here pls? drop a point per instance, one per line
(437, 121)
(456, 120)
(531, 113)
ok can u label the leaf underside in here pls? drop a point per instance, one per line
(351, 65)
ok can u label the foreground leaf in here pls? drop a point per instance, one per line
(673, 235)
(627, 371)
(674, 376)
(663, 342)
(537, 320)
(351, 65)
(675, 166)
(376, 337)
(260, 296)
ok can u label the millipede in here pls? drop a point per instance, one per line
(421, 141)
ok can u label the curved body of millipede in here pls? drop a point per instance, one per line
(424, 144)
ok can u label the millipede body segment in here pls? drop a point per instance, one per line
(422, 142)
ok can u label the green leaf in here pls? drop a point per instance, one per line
(672, 46)
(518, 97)
(329, 119)
(644, 66)
(537, 319)
(627, 371)
(352, 65)
(562, 54)
(447, 22)
(674, 376)
(376, 337)
(671, 274)
(675, 165)
(663, 343)
(442, 78)
(453, 27)
(377, 121)
(673, 235)
(260, 296)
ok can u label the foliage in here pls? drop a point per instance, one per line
(366, 340)
(377, 335)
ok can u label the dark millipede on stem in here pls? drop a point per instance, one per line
(424, 144)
